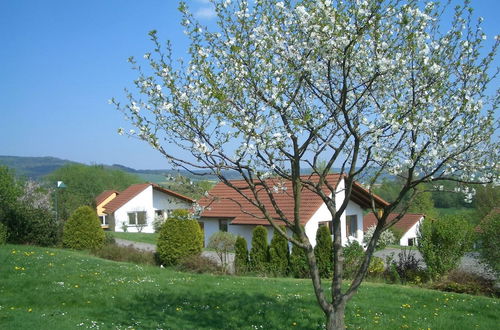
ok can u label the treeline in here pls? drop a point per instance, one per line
(429, 198)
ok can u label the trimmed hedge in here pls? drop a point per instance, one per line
(83, 230)
(180, 237)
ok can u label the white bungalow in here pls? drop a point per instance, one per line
(135, 208)
(407, 225)
(227, 210)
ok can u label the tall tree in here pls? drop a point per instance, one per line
(84, 183)
(370, 86)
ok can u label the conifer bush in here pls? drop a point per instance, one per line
(279, 254)
(324, 252)
(259, 254)
(180, 237)
(3, 233)
(83, 230)
(240, 255)
(299, 266)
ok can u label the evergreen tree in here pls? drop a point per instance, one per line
(279, 254)
(240, 255)
(324, 252)
(259, 254)
(299, 266)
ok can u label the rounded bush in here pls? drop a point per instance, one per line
(83, 230)
(180, 237)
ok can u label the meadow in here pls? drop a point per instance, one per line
(150, 238)
(43, 288)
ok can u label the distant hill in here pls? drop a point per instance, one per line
(37, 167)
(33, 167)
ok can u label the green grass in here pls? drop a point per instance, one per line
(60, 289)
(136, 237)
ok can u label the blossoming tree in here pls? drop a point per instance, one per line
(367, 86)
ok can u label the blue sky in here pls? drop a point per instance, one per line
(60, 61)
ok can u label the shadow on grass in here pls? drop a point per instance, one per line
(218, 310)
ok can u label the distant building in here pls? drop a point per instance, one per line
(135, 208)
(408, 225)
(227, 210)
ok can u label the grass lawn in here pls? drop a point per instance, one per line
(44, 288)
(136, 237)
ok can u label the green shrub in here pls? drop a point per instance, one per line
(222, 242)
(279, 254)
(3, 233)
(324, 252)
(199, 264)
(462, 282)
(109, 238)
(376, 268)
(83, 230)
(353, 256)
(240, 255)
(489, 236)
(125, 253)
(443, 242)
(180, 237)
(259, 254)
(299, 267)
(26, 212)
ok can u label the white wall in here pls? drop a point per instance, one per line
(411, 233)
(323, 214)
(141, 202)
(148, 200)
(211, 226)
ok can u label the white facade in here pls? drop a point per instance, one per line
(411, 234)
(211, 225)
(149, 201)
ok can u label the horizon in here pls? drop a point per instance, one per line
(62, 61)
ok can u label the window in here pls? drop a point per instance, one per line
(103, 220)
(222, 225)
(411, 241)
(137, 218)
(351, 223)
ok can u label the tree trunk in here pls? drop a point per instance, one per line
(335, 318)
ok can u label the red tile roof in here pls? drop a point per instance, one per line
(132, 191)
(105, 194)
(225, 202)
(404, 224)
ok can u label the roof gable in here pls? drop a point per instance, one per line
(405, 223)
(104, 195)
(225, 202)
(134, 190)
